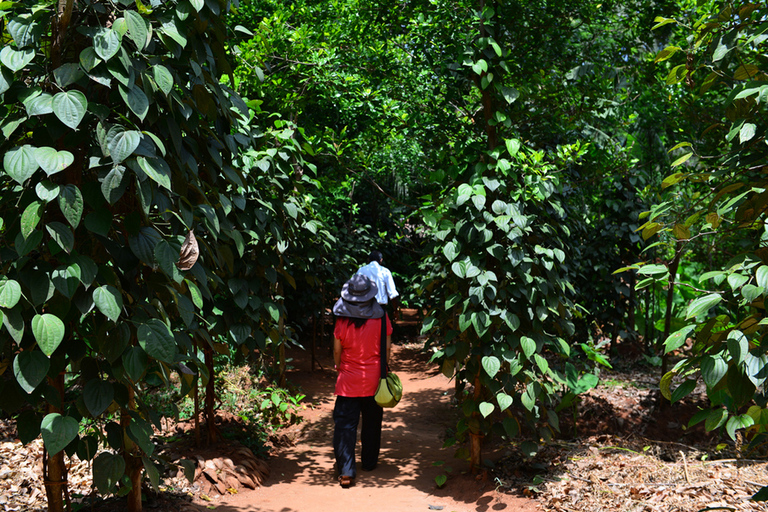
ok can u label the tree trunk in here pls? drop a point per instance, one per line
(475, 438)
(210, 397)
(55, 476)
(133, 463)
(670, 296)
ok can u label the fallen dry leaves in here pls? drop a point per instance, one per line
(598, 476)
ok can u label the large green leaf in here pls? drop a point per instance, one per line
(140, 432)
(108, 469)
(106, 42)
(66, 279)
(738, 422)
(88, 269)
(122, 143)
(31, 218)
(157, 340)
(25, 245)
(135, 362)
(136, 100)
(30, 368)
(702, 305)
(138, 29)
(713, 368)
(109, 301)
(112, 188)
(67, 74)
(6, 79)
(528, 346)
(491, 365)
(170, 29)
(98, 395)
(25, 30)
(677, 339)
(70, 107)
(71, 204)
(14, 324)
(157, 169)
(20, 163)
(143, 244)
(10, 293)
(16, 60)
(486, 408)
(49, 332)
(62, 235)
(53, 161)
(504, 401)
(163, 78)
(39, 104)
(58, 431)
(47, 191)
(166, 257)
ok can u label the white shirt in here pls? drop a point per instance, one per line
(383, 279)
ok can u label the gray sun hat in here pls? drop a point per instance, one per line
(358, 299)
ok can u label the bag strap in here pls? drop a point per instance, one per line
(384, 346)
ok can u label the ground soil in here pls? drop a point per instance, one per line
(302, 477)
(627, 450)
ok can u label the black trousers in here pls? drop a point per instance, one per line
(346, 416)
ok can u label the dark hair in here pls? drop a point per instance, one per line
(358, 322)
(375, 256)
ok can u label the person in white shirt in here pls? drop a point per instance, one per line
(381, 275)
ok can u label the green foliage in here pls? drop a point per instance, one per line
(719, 179)
(123, 151)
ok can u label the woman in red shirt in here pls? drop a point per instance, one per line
(357, 355)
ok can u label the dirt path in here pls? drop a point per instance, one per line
(302, 477)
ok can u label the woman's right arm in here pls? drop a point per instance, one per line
(336, 352)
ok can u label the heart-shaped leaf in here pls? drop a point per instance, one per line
(47, 191)
(20, 163)
(157, 169)
(122, 143)
(106, 42)
(49, 332)
(138, 29)
(157, 340)
(10, 293)
(25, 245)
(62, 235)
(53, 161)
(491, 365)
(16, 60)
(135, 362)
(14, 324)
(98, 395)
(504, 401)
(70, 107)
(109, 301)
(39, 104)
(30, 368)
(136, 100)
(486, 408)
(31, 217)
(108, 469)
(113, 187)
(163, 78)
(71, 204)
(66, 280)
(58, 431)
(67, 74)
(6, 79)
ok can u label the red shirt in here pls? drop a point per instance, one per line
(360, 366)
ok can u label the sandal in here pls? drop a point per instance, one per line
(346, 481)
